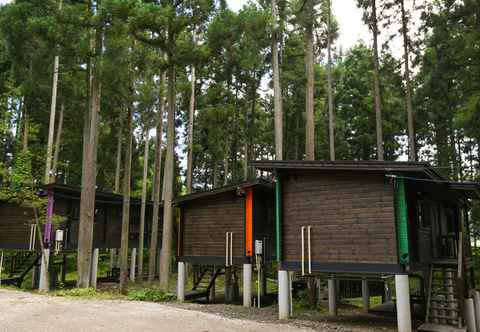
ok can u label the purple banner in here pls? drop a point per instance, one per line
(48, 229)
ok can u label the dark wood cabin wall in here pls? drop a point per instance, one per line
(264, 219)
(206, 220)
(15, 224)
(352, 217)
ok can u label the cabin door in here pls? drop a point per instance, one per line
(425, 229)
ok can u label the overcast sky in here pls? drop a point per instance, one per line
(348, 15)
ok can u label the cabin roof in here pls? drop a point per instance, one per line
(236, 187)
(74, 192)
(351, 165)
(411, 171)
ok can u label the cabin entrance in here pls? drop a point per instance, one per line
(436, 228)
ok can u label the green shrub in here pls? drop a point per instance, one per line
(149, 295)
(78, 292)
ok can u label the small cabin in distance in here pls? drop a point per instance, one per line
(17, 223)
(366, 218)
(227, 227)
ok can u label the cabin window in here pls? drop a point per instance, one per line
(424, 215)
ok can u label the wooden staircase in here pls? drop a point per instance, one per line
(21, 265)
(444, 311)
(204, 280)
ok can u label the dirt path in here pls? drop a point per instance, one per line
(20, 311)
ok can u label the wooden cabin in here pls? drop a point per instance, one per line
(361, 218)
(17, 222)
(354, 212)
(221, 226)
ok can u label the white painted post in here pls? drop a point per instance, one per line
(133, 263)
(332, 297)
(404, 316)
(365, 295)
(43, 285)
(247, 285)
(470, 316)
(283, 295)
(476, 300)
(181, 282)
(94, 269)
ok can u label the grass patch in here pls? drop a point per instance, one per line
(148, 294)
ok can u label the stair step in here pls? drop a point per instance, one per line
(444, 300)
(444, 308)
(431, 327)
(443, 292)
(445, 317)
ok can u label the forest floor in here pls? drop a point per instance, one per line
(25, 311)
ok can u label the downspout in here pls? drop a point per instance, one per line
(278, 217)
(401, 221)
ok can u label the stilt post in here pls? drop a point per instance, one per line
(365, 295)
(94, 269)
(44, 285)
(133, 263)
(247, 285)
(332, 297)
(404, 315)
(181, 282)
(283, 295)
(470, 315)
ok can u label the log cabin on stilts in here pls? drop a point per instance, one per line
(376, 220)
(222, 231)
(18, 231)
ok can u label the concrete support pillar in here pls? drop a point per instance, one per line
(283, 295)
(332, 297)
(44, 285)
(63, 275)
(247, 285)
(35, 276)
(212, 289)
(94, 268)
(365, 295)
(112, 258)
(133, 263)
(181, 282)
(404, 316)
(470, 315)
(476, 301)
(228, 285)
(263, 287)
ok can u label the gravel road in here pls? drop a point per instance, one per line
(21, 311)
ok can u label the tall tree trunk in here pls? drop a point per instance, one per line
(309, 97)
(51, 129)
(53, 106)
(412, 149)
(376, 83)
(166, 253)
(26, 126)
(58, 141)
(152, 257)
(331, 111)
(127, 166)
(119, 156)
(277, 89)
(143, 207)
(191, 115)
(89, 169)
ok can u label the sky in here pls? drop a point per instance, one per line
(349, 18)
